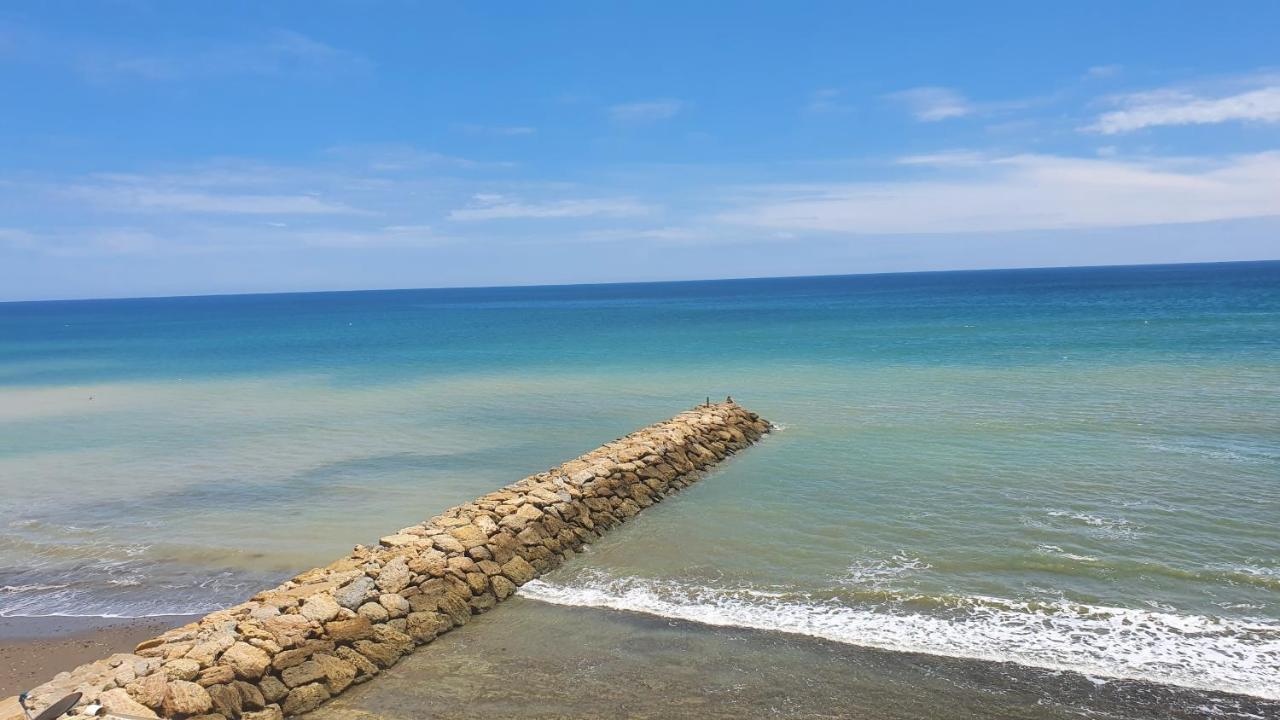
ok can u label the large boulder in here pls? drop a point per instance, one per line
(186, 698)
(118, 701)
(518, 570)
(353, 594)
(247, 661)
(305, 699)
(320, 607)
(350, 630)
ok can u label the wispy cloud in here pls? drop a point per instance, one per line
(1162, 108)
(490, 206)
(277, 53)
(498, 130)
(665, 234)
(949, 158)
(124, 198)
(17, 239)
(82, 242)
(827, 100)
(392, 157)
(1103, 71)
(1024, 192)
(646, 111)
(932, 104)
(388, 236)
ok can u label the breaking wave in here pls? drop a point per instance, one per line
(1194, 651)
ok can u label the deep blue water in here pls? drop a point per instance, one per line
(970, 317)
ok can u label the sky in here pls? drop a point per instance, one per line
(159, 148)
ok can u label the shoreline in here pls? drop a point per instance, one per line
(586, 662)
(34, 649)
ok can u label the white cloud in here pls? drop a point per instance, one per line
(666, 234)
(931, 104)
(17, 239)
(277, 53)
(81, 242)
(953, 158)
(389, 236)
(646, 111)
(499, 130)
(133, 198)
(1103, 71)
(491, 206)
(827, 100)
(393, 157)
(1024, 192)
(1178, 107)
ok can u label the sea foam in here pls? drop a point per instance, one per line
(1194, 651)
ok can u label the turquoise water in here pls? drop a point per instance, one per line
(1069, 469)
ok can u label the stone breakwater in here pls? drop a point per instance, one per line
(289, 649)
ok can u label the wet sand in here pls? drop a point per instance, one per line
(534, 660)
(34, 649)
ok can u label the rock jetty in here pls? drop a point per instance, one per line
(289, 649)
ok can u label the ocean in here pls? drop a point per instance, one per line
(1070, 474)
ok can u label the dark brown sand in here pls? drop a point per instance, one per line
(546, 662)
(34, 649)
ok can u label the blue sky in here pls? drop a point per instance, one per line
(183, 148)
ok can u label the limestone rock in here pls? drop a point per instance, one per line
(394, 577)
(518, 571)
(448, 544)
(338, 673)
(292, 657)
(206, 651)
(356, 628)
(288, 630)
(320, 607)
(430, 563)
(462, 564)
(186, 698)
(301, 674)
(271, 712)
(251, 697)
(423, 627)
(272, 689)
(305, 699)
(247, 661)
(484, 602)
(478, 582)
(226, 700)
(502, 587)
(469, 535)
(395, 604)
(373, 612)
(149, 690)
(181, 669)
(353, 594)
(380, 654)
(214, 675)
(364, 667)
(455, 607)
(399, 540)
(119, 701)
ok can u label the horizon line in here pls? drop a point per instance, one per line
(634, 282)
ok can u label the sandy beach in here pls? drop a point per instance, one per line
(34, 649)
